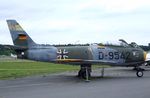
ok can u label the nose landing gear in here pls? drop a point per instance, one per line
(139, 72)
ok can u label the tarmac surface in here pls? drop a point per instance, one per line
(117, 83)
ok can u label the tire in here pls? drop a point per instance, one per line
(82, 74)
(139, 73)
(79, 74)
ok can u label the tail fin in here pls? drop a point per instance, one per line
(19, 36)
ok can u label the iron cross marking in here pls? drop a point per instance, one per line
(62, 54)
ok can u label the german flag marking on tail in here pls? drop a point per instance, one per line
(22, 37)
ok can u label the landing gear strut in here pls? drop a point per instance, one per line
(138, 68)
(85, 72)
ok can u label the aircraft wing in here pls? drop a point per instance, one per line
(114, 63)
(104, 62)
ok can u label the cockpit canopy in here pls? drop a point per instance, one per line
(121, 43)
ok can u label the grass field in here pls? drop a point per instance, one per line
(15, 68)
(22, 68)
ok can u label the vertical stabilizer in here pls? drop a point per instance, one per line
(19, 36)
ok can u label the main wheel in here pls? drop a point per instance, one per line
(80, 74)
(139, 73)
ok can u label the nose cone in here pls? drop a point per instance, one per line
(147, 56)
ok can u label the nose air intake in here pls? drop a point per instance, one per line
(147, 56)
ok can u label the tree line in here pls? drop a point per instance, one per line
(6, 50)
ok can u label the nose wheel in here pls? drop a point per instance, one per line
(139, 73)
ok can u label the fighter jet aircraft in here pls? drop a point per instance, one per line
(123, 54)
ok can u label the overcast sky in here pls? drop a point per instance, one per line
(78, 21)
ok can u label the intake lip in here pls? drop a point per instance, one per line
(147, 56)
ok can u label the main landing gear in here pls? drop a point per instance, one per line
(85, 72)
